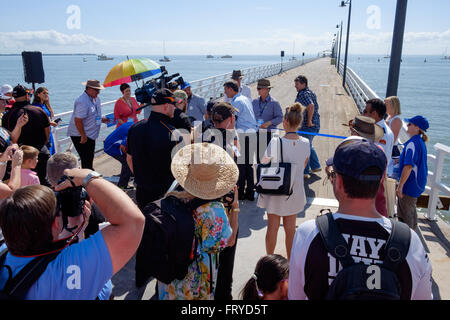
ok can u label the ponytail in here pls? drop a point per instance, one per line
(251, 291)
(424, 136)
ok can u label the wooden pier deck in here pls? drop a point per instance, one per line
(335, 108)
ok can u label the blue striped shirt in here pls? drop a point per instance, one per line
(305, 98)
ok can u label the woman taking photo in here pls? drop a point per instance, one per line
(126, 106)
(414, 171)
(41, 100)
(205, 172)
(296, 150)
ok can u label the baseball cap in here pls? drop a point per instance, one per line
(3, 97)
(419, 121)
(222, 111)
(163, 96)
(6, 88)
(20, 91)
(357, 155)
(185, 85)
(180, 95)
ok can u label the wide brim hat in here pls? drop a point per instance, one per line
(94, 84)
(205, 170)
(366, 128)
(264, 84)
(237, 74)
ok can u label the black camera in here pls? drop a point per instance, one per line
(70, 201)
(228, 199)
(144, 93)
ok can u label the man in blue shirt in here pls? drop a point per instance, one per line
(247, 128)
(414, 171)
(311, 120)
(196, 109)
(115, 146)
(31, 223)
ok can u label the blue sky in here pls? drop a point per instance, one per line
(218, 27)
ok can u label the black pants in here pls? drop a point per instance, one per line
(225, 273)
(41, 167)
(85, 151)
(246, 182)
(125, 172)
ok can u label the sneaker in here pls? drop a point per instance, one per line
(306, 176)
(317, 170)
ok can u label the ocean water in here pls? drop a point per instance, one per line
(424, 87)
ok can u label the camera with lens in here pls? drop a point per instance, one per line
(71, 201)
(144, 93)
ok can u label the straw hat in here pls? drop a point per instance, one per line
(205, 170)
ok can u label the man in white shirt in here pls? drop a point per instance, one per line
(376, 109)
(243, 89)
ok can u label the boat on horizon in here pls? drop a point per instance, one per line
(103, 57)
(209, 56)
(164, 58)
(227, 56)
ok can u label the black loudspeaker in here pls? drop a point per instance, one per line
(303, 54)
(33, 67)
(282, 53)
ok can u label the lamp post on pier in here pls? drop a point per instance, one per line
(397, 46)
(343, 4)
(340, 42)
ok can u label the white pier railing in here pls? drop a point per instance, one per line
(208, 88)
(361, 92)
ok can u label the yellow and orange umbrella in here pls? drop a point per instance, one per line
(131, 70)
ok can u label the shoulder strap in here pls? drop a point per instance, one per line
(281, 149)
(333, 239)
(397, 246)
(18, 287)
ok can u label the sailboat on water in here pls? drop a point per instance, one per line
(165, 58)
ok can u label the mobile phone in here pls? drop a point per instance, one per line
(57, 120)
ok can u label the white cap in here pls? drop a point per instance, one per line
(3, 97)
(6, 88)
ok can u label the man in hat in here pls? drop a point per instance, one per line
(243, 89)
(311, 120)
(414, 171)
(196, 106)
(35, 132)
(149, 148)
(366, 127)
(268, 114)
(180, 119)
(358, 166)
(376, 109)
(84, 126)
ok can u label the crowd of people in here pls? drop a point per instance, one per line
(204, 154)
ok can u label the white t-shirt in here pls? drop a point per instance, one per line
(387, 142)
(312, 269)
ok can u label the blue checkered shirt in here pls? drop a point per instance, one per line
(307, 97)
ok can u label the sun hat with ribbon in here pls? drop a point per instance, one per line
(205, 170)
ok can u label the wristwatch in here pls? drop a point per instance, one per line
(91, 176)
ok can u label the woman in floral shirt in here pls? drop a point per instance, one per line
(212, 175)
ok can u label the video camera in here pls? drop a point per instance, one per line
(70, 201)
(144, 94)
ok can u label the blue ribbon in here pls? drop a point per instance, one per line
(319, 134)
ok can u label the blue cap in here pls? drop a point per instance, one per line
(419, 121)
(185, 85)
(353, 158)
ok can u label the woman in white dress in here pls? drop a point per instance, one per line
(395, 123)
(296, 150)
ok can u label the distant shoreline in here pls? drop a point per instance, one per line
(49, 54)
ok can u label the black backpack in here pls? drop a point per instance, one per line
(168, 245)
(16, 288)
(357, 281)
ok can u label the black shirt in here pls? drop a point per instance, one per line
(180, 120)
(33, 133)
(150, 144)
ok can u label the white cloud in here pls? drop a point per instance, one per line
(269, 42)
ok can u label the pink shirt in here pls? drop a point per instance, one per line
(28, 177)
